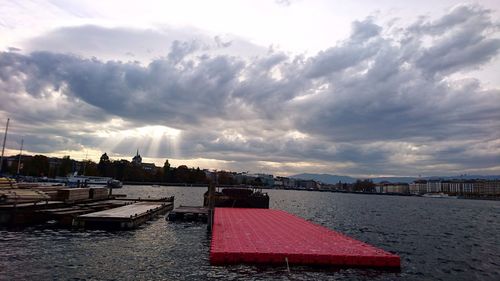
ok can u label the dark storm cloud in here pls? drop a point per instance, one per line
(339, 58)
(45, 143)
(458, 17)
(182, 92)
(384, 103)
(390, 92)
(462, 40)
(179, 50)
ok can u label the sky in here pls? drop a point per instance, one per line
(361, 88)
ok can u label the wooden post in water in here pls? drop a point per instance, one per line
(19, 160)
(211, 204)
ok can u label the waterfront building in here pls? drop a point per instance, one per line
(451, 187)
(148, 166)
(457, 187)
(308, 184)
(279, 182)
(211, 176)
(288, 182)
(387, 187)
(489, 188)
(266, 180)
(10, 163)
(418, 187)
(137, 160)
(433, 186)
(244, 178)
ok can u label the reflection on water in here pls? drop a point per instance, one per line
(438, 239)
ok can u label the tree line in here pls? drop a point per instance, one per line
(123, 170)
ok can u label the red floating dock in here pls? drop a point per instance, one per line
(264, 236)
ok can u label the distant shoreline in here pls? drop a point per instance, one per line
(298, 189)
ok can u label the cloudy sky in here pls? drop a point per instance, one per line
(362, 88)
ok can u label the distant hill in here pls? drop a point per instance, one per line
(333, 179)
(394, 179)
(325, 178)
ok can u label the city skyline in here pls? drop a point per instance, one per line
(283, 87)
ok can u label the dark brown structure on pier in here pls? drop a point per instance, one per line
(189, 213)
(239, 198)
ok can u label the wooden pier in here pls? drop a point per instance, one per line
(65, 215)
(24, 213)
(125, 217)
(188, 213)
(26, 204)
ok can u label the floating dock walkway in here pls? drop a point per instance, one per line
(265, 236)
(125, 217)
(188, 213)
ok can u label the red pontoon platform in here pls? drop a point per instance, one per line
(265, 236)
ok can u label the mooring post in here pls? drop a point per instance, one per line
(211, 204)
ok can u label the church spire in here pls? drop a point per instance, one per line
(137, 158)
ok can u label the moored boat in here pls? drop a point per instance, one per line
(239, 198)
(438, 195)
(78, 181)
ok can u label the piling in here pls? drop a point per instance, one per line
(211, 205)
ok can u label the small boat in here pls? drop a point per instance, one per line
(438, 195)
(80, 181)
(115, 183)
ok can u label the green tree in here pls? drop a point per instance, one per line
(182, 174)
(120, 169)
(364, 185)
(38, 165)
(66, 166)
(167, 176)
(13, 168)
(104, 165)
(157, 175)
(199, 176)
(224, 177)
(88, 168)
(257, 182)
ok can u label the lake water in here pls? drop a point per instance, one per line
(437, 239)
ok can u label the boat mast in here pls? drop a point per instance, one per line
(20, 153)
(4, 140)
(85, 163)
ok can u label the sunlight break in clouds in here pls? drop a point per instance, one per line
(157, 141)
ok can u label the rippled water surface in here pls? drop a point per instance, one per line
(437, 239)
